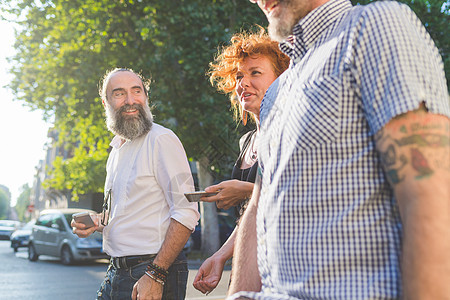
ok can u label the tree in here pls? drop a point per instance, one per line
(63, 48)
(5, 200)
(22, 203)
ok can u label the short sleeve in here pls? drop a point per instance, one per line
(397, 64)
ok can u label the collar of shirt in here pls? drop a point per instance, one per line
(117, 142)
(308, 29)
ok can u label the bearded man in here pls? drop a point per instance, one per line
(146, 220)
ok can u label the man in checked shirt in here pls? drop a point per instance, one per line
(352, 200)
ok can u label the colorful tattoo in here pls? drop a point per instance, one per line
(430, 140)
(393, 176)
(389, 159)
(429, 126)
(418, 142)
(420, 164)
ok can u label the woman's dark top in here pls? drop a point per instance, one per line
(248, 174)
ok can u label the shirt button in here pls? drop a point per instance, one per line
(273, 145)
(261, 241)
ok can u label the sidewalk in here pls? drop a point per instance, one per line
(219, 292)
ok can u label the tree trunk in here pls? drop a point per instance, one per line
(209, 222)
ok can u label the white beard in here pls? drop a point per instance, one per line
(129, 128)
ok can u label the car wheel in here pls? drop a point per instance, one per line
(32, 255)
(66, 256)
(16, 248)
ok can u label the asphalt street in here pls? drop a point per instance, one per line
(50, 280)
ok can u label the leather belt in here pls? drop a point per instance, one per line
(126, 262)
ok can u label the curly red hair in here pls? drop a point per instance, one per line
(244, 44)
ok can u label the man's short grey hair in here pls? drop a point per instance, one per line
(105, 80)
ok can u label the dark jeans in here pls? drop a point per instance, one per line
(118, 283)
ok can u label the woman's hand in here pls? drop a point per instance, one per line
(230, 193)
(209, 275)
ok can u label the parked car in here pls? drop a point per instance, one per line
(7, 227)
(52, 235)
(21, 236)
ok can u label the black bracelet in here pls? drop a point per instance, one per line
(157, 271)
(156, 267)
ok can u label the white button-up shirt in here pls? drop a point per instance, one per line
(147, 177)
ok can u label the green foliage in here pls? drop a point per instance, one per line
(22, 203)
(4, 204)
(435, 15)
(64, 47)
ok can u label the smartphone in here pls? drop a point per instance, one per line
(195, 196)
(85, 218)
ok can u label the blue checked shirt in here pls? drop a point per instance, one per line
(328, 225)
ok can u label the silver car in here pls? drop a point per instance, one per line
(7, 227)
(52, 235)
(21, 236)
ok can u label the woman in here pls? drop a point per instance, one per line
(244, 70)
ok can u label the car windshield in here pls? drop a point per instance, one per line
(29, 225)
(68, 218)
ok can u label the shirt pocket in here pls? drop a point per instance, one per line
(314, 117)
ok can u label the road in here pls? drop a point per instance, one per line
(50, 280)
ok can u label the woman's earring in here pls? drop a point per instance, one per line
(244, 118)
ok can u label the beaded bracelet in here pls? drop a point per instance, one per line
(157, 272)
(156, 267)
(154, 278)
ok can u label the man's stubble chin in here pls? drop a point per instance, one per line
(279, 31)
(281, 27)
